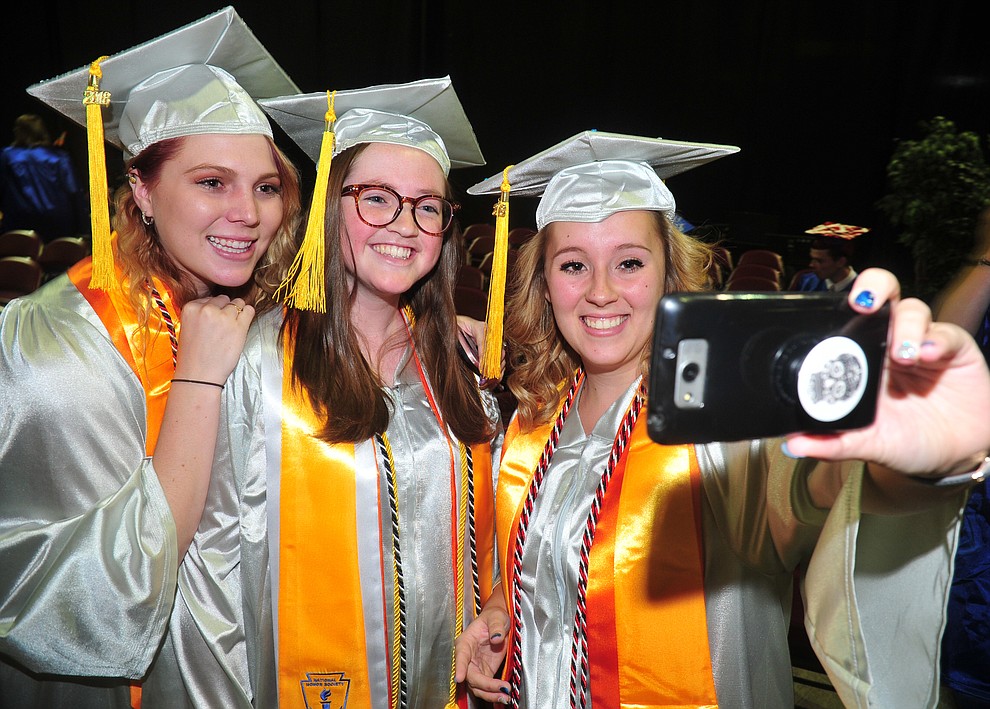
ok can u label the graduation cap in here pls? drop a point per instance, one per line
(424, 114)
(201, 78)
(834, 230)
(835, 237)
(586, 178)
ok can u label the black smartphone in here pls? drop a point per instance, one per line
(735, 366)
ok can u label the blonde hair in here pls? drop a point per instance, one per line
(540, 360)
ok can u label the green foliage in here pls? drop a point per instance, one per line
(937, 187)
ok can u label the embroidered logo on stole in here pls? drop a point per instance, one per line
(325, 690)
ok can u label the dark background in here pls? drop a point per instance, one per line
(816, 94)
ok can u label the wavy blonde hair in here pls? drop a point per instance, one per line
(140, 254)
(540, 360)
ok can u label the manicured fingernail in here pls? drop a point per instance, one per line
(907, 351)
(503, 690)
(865, 299)
(787, 451)
(496, 636)
(928, 343)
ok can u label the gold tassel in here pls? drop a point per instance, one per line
(306, 280)
(95, 100)
(491, 356)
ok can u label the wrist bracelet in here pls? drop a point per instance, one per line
(199, 381)
(973, 476)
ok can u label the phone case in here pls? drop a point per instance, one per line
(735, 366)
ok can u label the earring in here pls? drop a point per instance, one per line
(148, 221)
(132, 178)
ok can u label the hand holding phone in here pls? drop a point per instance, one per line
(735, 366)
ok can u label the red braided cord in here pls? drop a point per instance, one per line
(515, 654)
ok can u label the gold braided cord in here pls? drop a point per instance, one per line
(396, 581)
(459, 542)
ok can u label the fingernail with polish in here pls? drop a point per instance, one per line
(503, 690)
(787, 451)
(865, 299)
(907, 351)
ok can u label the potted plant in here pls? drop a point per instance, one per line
(937, 186)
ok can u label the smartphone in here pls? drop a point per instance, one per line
(736, 366)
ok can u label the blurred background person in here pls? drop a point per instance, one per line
(38, 186)
(830, 258)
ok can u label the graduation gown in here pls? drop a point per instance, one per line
(863, 574)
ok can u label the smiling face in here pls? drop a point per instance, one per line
(383, 263)
(216, 205)
(604, 281)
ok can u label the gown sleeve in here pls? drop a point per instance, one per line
(875, 597)
(86, 536)
(863, 575)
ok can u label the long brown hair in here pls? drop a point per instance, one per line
(540, 359)
(140, 252)
(329, 365)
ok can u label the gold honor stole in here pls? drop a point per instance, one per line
(647, 629)
(322, 648)
(152, 364)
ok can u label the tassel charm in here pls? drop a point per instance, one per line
(94, 99)
(491, 357)
(304, 286)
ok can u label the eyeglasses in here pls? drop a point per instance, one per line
(378, 205)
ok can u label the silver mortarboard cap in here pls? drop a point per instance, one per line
(423, 114)
(593, 175)
(200, 78)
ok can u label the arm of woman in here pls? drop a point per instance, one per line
(967, 297)
(933, 411)
(480, 649)
(210, 341)
(872, 555)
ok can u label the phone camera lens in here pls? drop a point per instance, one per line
(690, 372)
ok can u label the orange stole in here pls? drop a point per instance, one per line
(647, 628)
(152, 364)
(320, 613)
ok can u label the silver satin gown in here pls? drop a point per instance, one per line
(866, 574)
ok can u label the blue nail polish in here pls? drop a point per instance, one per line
(503, 690)
(865, 299)
(787, 451)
